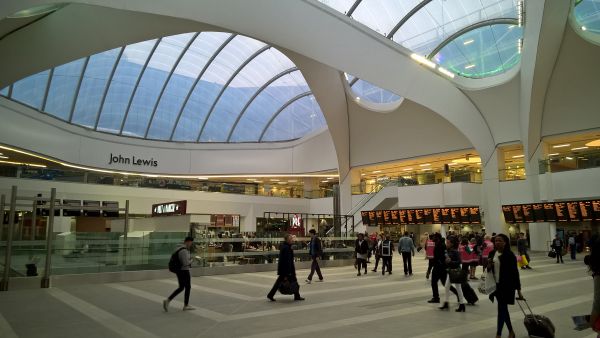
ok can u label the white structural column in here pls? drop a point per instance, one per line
(540, 186)
(491, 204)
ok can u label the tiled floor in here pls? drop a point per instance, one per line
(343, 306)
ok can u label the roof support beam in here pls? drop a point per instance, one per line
(260, 90)
(162, 90)
(353, 8)
(48, 83)
(490, 22)
(189, 94)
(408, 15)
(287, 104)
(108, 83)
(137, 83)
(83, 69)
(226, 85)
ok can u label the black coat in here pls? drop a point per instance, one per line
(362, 249)
(454, 259)
(285, 266)
(439, 256)
(318, 252)
(509, 281)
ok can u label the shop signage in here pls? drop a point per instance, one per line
(120, 159)
(296, 221)
(169, 209)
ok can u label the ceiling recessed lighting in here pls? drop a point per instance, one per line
(274, 180)
(446, 72)
(324, 181)
(363, 174)
(553, 154)
(4, 157)
(376, 171)
(357, 98)
(583, 28)
(453, 163)
(281, 182)
(468, 42)
(466, 160)
(518, 156)
(569, 158)
(595, 143)
(470, 66)
(579, 148)
(425, 169)
(424, 165)
(561, 145)
(408, 169)
(292, 181)
(422, 60)
(329, 178)
(250, 179)
(202, 178)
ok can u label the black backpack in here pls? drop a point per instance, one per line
(175, 262)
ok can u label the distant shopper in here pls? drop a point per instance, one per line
(180, 263)
(315, 250)
(453, 262)
(502, 262)
(486, 248)
(286, 270)
(377, 252)
(361, 249)
(593, 261)
(573, 246)
(522, 249)
(387, 250)
(557, 246)
(438, 274)
(474, 251)
(429, 248)
(406, 247)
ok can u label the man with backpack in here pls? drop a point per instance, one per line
(180, 264)
(387, 249)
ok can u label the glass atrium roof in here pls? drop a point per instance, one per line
(587, 14)
(368, 91)
(472, 38)
(193, 87)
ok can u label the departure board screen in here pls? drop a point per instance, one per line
(419, 218)
(365, 218)
(475, 215)
(75, 207)
(538, 212)
(550, 212)
(573, 208)
(527, 213)
(372, 219)
(410, 216)
(428, 216)
(465, 216)
(509, 217)
(455, 215)
(446, 216)
(110, 213)
(395, 217)
(387, 217)
(518, 213)
(596, 207)
(402, 216)
(587, 212)
(379, 216)
(562, 213)
(437, 215)
(91, 212)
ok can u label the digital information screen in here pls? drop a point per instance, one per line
(437, 215)
(562, 213)
(379, 216)
(538, 212)
(596, 208)
(527, 213)
(402, 216)
(71, 208)
(419, 218)
(475, 215)
(586, 209)
(410, 216)
(446, 216)
(550, 212)
(372, 219)
(455, 215)
(387, 217)
(428, 216)
(364, 215)
(509, 217)
(395, 217)
(573, 208)
(465, 216)
(91, 212)
(518, 213)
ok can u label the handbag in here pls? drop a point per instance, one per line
(522, 262)
(552, 254)
(488, 285)
(288, 288)
(457, 276)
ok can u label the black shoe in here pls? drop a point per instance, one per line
(445, 306)
(389, 273)
(299, 298)
(271, 298)
(382, 273)
(365, 272)
(461, 308)
(410, 274)
(528, 267)
(523, 268)
(434, 301)
(358, 274)
(374, 270)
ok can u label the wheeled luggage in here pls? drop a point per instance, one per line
(536, 325)
(469, 293)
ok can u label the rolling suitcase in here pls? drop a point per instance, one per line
(536, 325)
(469, 293)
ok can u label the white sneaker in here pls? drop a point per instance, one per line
(188, 308)
(166, 305)
(308, 281)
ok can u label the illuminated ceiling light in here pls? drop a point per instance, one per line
(424, 165)
(363, 174)
(579, 148)
(569, 158)
(376, 171)
(250, 179)
(292, 181)
(425, 169)
(408, 169)
(519, 45)
(203, 178)
(595, 143)
(324, 181)
(584, 159)
(446, 72)
(520, 13)
(518, 156)
(274, 180)
(562, 145)
(467, 160)
(468, 42)
(4, 157)
(583, 28)
(37, 10)
(422, 60)
(358, 98)
(479, 163)
(281, 182)
(453, 163)
(553, 154)
(329, 178)
(470, 66)
(26, 164)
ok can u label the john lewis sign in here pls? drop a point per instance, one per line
(133, 160)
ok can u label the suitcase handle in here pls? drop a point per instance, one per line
(519, 300)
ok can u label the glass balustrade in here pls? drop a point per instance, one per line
(570, 161)
(511, 174)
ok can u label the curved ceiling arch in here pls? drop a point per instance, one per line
(402, 76)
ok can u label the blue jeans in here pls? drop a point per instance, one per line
(503, 317)
(573, 250)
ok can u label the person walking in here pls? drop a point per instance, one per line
(361, 248)
(377, 252)
(286, 270)
(429, 248)
(438, 274)
(593, 262)
(557, 246)
(474, 254)
(180, 264)
(502, 262)
(573, 246)
(522, 249)
(486, 248)
(315, 250)
(452, 259)
(406, 247)
(387, 250)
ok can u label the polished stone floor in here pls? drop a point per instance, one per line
(343, 306)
